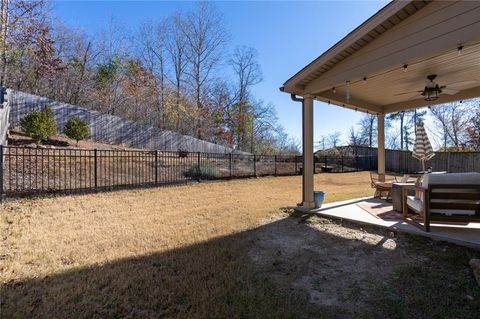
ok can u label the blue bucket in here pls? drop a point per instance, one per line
(319, 197)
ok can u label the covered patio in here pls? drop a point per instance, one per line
(382, 67)
(353, 210)
(410, 54)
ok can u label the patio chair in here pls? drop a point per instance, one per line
(381, 187)
(444, 198)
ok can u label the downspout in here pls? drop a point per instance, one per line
(298, 99)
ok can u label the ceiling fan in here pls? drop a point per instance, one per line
(432, 90)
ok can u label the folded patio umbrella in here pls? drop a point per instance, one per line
(423, 150)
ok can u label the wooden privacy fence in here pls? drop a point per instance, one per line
(46, 170)
(452, 162)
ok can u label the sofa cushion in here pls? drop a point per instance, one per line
(450, 178)
(415, 203)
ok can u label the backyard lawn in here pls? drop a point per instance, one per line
(222, 249)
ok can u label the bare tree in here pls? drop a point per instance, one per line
(177, 50)
(334, 139)
(247, 73)
(164, 74)
(355, 139)
(151, 50)
(452, 121)
(407, 125)
(368, 129)
(206, 38)
(322, 142)
(263, 120)
(18, 21)
(473, 131)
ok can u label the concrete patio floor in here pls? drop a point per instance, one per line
(466, 235)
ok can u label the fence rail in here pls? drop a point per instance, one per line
(37, 170)
(25, 170)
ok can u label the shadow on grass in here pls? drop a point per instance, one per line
(259, 273)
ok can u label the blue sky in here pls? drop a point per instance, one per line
(287, 36)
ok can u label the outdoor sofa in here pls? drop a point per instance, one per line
(444, 197)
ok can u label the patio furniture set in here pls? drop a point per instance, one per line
(436, 196)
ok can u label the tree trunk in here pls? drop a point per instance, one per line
(4, 34)
(401, 132)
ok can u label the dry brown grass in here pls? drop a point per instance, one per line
(189, 251)
(97, 228)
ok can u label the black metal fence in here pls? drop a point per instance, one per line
(25, 170)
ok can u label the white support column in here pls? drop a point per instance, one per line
(308, 201)
(381, 146)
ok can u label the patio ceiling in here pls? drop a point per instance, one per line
(429, 37)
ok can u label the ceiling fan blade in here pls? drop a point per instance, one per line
(450, 91)
(407, 93)
(415, 97)
(461, 83)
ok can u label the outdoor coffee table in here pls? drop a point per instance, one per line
(396, 194)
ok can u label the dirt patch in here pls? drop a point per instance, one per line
(17, 138)
(336, 265)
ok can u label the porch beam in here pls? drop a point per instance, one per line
(381, 146)
(352, 103)
(307, 149)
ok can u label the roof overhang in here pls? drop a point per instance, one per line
(366, 69)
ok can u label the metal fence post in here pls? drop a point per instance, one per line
(230, 164)
(1, 171)
(275, 164)
(342, 163)
(296, 166)
(254, 165)
(199, 169)
(95, 168)
(156, 167)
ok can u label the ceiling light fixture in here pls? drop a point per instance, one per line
(432, 91)
(459, 49)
